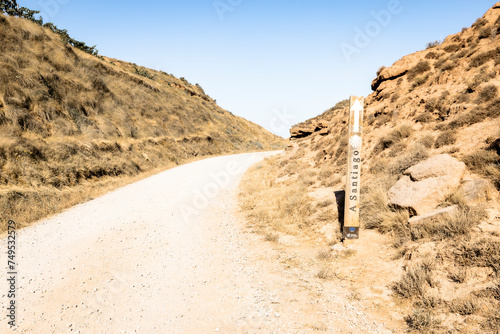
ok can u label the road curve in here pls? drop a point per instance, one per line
(167, 254)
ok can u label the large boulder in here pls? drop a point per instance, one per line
(436, 166)
(427, 184)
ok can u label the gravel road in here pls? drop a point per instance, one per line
(168, 254)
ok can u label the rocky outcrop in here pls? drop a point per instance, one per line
(304, 130)
(389, 73)
(427, 184)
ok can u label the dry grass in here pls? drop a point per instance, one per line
(446, 138)
(284, 207)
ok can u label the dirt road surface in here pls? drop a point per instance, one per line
(169, 254)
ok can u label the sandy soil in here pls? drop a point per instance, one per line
(170, 254)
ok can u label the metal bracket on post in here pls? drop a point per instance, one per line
(353, 182)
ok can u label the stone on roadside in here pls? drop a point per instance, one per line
(434, 216)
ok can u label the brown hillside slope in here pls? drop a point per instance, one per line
(72, 124)
(438, 275)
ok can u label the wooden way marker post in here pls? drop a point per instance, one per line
(353, 186)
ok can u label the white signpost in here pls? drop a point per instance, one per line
(353, 186)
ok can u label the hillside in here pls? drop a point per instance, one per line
(433, 269)
(74, 125)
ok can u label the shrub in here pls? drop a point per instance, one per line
(481, 22)
(465, 306)
(380, 70)
(482, 58)
(394, 97)
(424, 118)
(483, 253)
(476, 115)
(426, 140)
(485, 32)
(415, 280)
(432, 55)
(419, 81)
(440, 62)
(485, 163)
(422, 67)
(432, 44)
(395, 136)
(488, 93)
(446, 138)
(421, 320)
(448, 65)
(410, 157)
(452, 48)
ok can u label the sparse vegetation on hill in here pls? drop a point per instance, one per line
(73, 125)
(440, 101)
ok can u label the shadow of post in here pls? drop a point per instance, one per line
(340, 199)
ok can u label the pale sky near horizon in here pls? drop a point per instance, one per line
(275, 63)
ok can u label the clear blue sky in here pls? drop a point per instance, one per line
(273, 62)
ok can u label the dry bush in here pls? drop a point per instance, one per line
(421, 320)
(482, 58)
(417, 279)
(379, 71)
(485, 163)
(420, 68)
(452, 48)
(324, 273)
(324, 255)
(419, 81)
(487, 93)
(446, 138)
(464, 306)
(458, 275)
(476, 115)
(394, 136)
(460, 223)
(424, 118)
(485, 32)
(426, 140)
(272, 237)
(410, 157)
(432, 55)
(482, 253)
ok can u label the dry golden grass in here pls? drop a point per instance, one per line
(72, 124)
